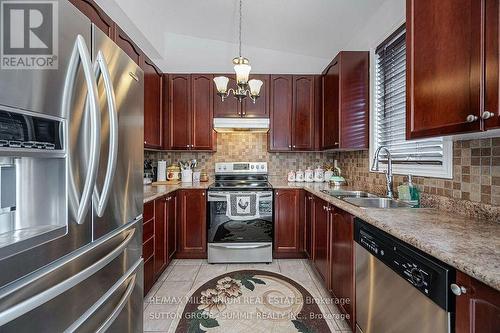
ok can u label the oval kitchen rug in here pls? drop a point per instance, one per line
(251, 301)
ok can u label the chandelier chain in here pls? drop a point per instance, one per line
(240, 28)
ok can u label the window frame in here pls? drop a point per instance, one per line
(434, 171)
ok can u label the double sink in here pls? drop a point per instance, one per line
(366, 200)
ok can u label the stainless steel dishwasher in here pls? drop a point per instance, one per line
(399, 288)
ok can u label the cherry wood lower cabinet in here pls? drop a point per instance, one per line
(159, 237)
(478, 309)
(321, 239)
(192, 224)
(288, 224)
(309, 208)
(148, 243)
(341, 282)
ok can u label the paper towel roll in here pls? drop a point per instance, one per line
(162, 171)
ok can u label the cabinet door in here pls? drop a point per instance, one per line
(160, 236)
(303, 114)
(354, 101)
(331, 103)
(230, 107)
(478, 310)
(492, 54)
(444, 67)
(171, 217)
(180, 111)
(152, 105)
(127, 45)
(342, 261)
(193, 224)
(321, 239)
(281, 113)
(202, 112)
(287, 222)
(309, 221)
(259, 109)
(96, 15)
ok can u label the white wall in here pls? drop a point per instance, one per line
(390, 15)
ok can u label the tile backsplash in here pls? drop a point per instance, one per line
(474, 190)
(246, 147)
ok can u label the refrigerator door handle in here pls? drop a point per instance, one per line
(131, 276)
(79, 206)
(31, 303)
(101, 199)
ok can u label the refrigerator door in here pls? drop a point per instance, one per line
(118, 195)
(97, 288)
(58, 188)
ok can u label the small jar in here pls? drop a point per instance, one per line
(291, 176)
(299, 176)
(309, 175)
(173, 172)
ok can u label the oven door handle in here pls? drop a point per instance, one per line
(240, 247)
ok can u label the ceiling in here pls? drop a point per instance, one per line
(278, 35)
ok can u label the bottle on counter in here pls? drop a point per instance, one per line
(409, 192)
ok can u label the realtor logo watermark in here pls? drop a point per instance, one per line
(29, 34)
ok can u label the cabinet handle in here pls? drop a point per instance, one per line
(289, 146)
(336, 143)
(471, 118)
(458, 290)
(487, 115)
(145, 142)
(276, 193)
(203, 193)
(294, 146)
(187, 146)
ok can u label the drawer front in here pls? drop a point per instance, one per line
(149, 211)
(148, 230)
(148, 248)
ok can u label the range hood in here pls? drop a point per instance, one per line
(222, 125)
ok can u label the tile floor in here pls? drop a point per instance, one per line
(183, 277)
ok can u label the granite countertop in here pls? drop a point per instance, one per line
(470, 245)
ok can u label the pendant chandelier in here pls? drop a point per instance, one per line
(244, 87)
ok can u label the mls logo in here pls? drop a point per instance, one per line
(29, 31)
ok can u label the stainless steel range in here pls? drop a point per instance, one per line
(240, 219)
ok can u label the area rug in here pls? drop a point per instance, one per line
(251, 301)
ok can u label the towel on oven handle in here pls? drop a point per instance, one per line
(242, 206)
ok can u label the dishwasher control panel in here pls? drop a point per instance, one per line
(425, 273)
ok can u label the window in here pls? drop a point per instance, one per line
(429, 157)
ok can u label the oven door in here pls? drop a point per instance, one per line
(240, 216)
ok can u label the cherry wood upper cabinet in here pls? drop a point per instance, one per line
(304, 112)
(153, 120)
(492, 54)
(179, 86)
(230, 107)
(96, 15)
(444, 67)
(127, 45)
(346, 101)
(259, 109)
(331, 105)
(341, 282)
(281, 104)
(202, 112)
(192, 224)
(287, 222)
(321, 239)
(478, 309)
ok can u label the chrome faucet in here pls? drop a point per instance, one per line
(388, 173)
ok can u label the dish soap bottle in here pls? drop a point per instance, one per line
(414, 193)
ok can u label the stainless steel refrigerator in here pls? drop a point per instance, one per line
(71, 164)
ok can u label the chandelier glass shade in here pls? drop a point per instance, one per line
(244, 86)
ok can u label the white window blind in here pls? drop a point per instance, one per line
(390, 118)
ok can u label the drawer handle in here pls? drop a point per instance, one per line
(487, 115)
(458, 290)
(471, 118)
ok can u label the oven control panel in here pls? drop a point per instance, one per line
(241, 167)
